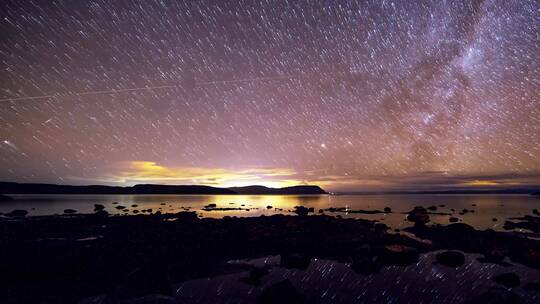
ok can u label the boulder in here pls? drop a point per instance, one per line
(453, 219)
(451, 258)
(387, 209)
(301, 210)
(98, 207)
(70, 211)
(418, 215)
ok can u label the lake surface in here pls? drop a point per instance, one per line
(486, 207)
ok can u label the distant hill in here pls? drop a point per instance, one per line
(19, 188)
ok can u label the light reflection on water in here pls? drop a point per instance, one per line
(487, 206)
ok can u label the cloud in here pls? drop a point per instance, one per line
(134, 172)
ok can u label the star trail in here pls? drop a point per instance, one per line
(350, 95)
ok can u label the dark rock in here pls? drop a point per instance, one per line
(295, 260)
(142, 282)
(268, 207)
(17, 213)
(496, 295)
(432, 208)
(115, 203)
(282, 293)
(366, 265)
(418, 215)
(398, 255)
(387, 209)
(301, 210)
(451, 258)
(494, 219)
(187, 216)
(495, 255)
(210, 206)
(134, 205)
(5, 198)
(120, 207)
(98, 207)
(509, 225)
(135, 211)
(453, 219)
(255, 275)
(508, 279)
(532, 286)
(70, 211)
(535, 211)
(101, 214)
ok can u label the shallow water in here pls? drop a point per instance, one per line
(487, 206)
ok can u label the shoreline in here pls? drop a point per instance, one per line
(45, 253)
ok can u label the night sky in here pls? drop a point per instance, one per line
(350, 95)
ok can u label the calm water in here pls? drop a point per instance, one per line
(487, 206)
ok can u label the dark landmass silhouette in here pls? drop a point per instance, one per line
(21, 188)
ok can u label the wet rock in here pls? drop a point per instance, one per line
(532, 286)
(17, 213)
(187, 216)
(509, 225)
(101, 214)
(453, 219)
(399, 255)
(451, 258)
(508, 279)
(5, 198)
(496, 295)
(70, 211)
(98, 207)
(387, 209)
(302, 211)
(295, 260)
(282, 293)
(418, 215)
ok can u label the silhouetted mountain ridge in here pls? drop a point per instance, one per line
(21, 188)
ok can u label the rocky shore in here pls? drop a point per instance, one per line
(125, 259)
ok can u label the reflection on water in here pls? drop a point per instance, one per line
(487, 207)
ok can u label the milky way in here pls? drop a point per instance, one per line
(346, 94)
